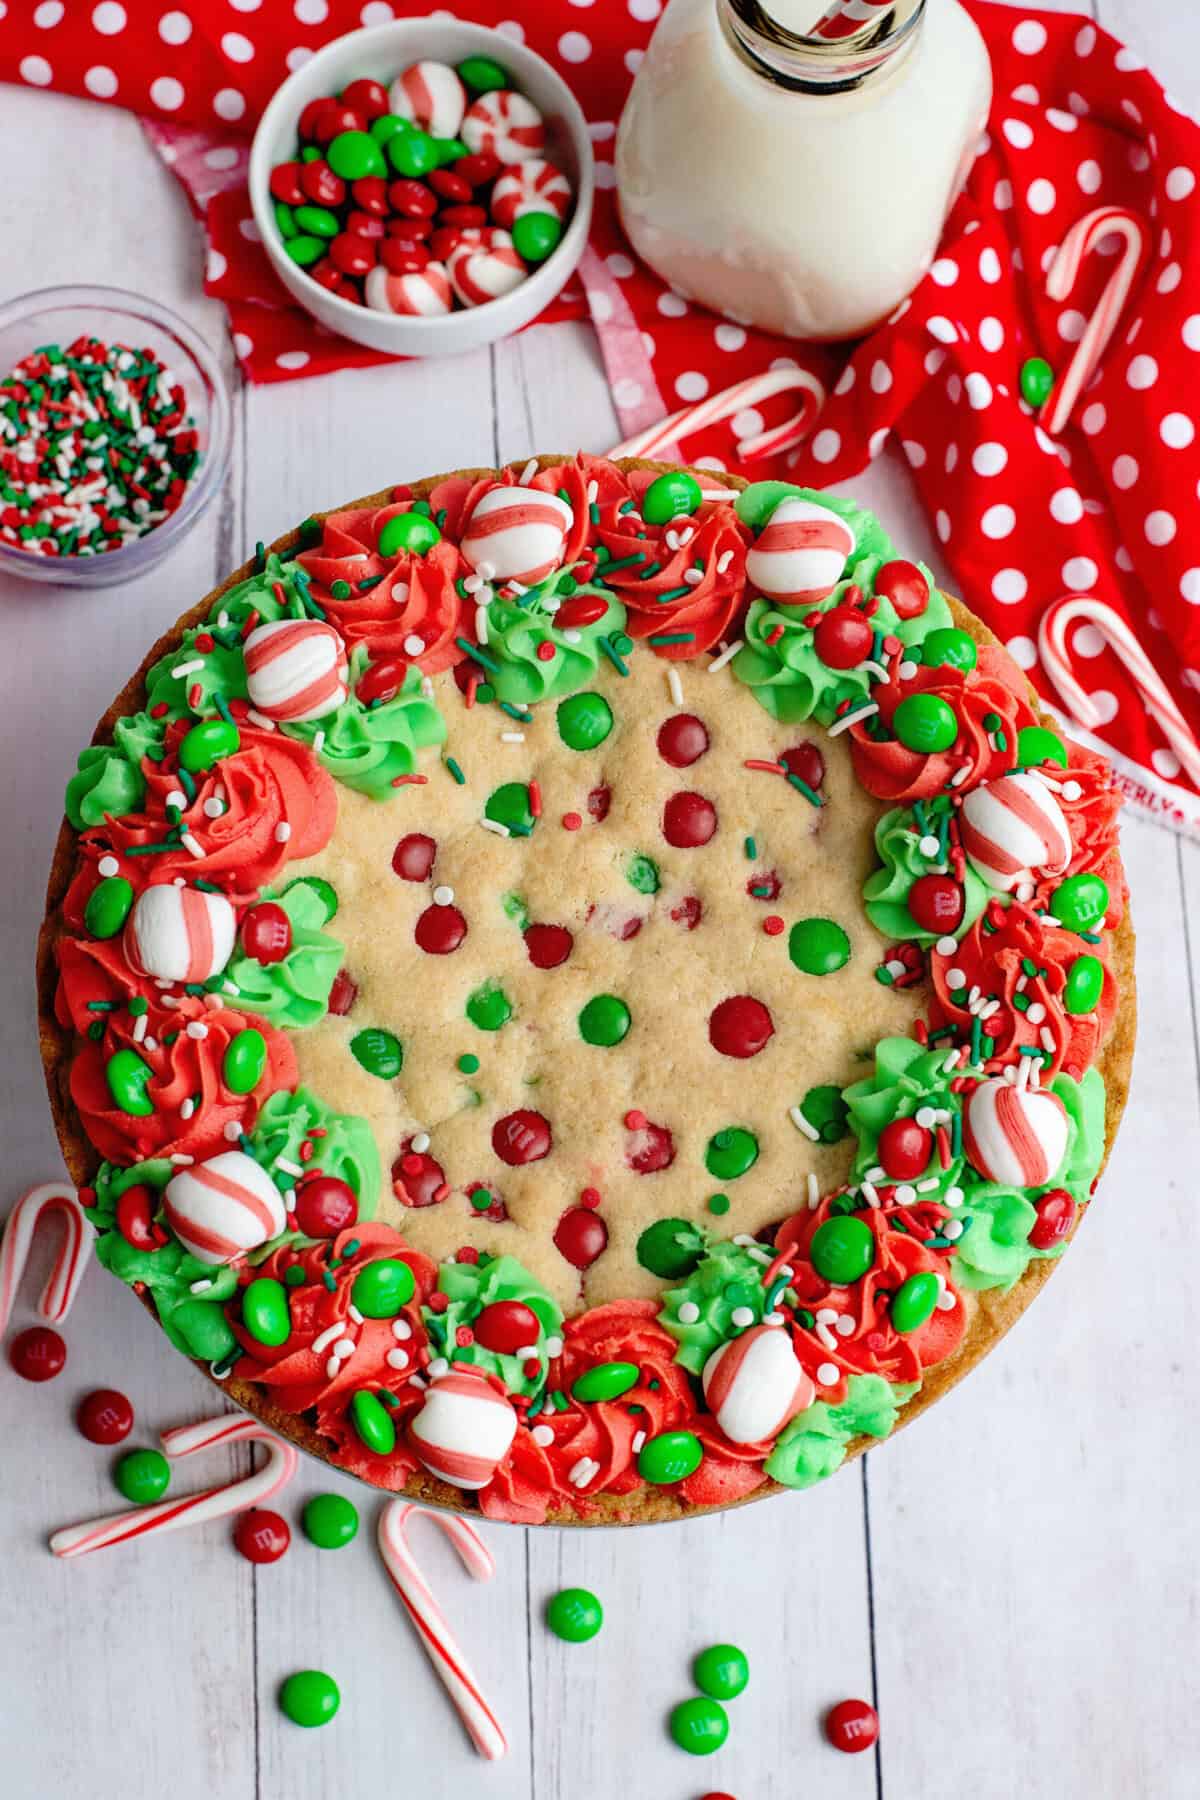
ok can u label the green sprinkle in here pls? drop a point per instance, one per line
(260, 557)
(515, 712)
(673, 637)
(340, 590)
(605, 645)
(367, 583)
(139, 1005)
(662, 600)
(751, 848)
(478, 655)
(718, 1203)
(802, 787)
(468, 1063)
(650, 569)
(594, 513)
(625, 562)
(456, 771)
(102, 1006)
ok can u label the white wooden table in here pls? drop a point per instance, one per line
(1013, 1579)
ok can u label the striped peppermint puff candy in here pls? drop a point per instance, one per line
(754, 1385)
(420, 293)
(464, 1428)
(180, 933)
(517, 534)
(220, 1208)
(530, 187)
(430, 95)
(801, 553)
(1014, 829)
(483, 271)
(1015, 1135)
(504, 124)
(296, 669)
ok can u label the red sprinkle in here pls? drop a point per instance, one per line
(437, 1301)
(572, 821)
(773, 925)
(635, 1121)
(773, 636)
(590, 1197)
(546, 652)
(535, 799)
(464, 1336)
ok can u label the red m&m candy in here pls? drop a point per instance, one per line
(548, 945)
(740, 1026)
(321, 185)
(38, 1354)
(1055, 1216)
(414, 855)
(324, 1205)
(852, 1725)
(581, 1235)
(937, 903)
(440, 930)
(369, 98)
(105, 1416)
(904, 585)
(689, 820)
(806, 761)
(285, 185)
(266, 932)
(843, 638)
(506, 1326)
(904, 1149)
(261, 1536)
(352, 255)
(521, 1137)
(682, 739)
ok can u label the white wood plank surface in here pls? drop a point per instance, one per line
(1014, 1575)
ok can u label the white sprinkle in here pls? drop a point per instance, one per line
(196, 1028)
(727, 655)
(1026, 890)
(344, 1349)
(355, 1314)
(417, 1381)
(675, 687)
(959, 776)
(283, 832)
(420, 1142)
(554, 1347)
(438, 1367)
(472, 584)
(108, 865)
(581, 1472)
(689, 1312)
(953, 1229)
(929, 848)
(824, 1336)
(494, 825)
(139, 1027)
(427, 687)
(639, 1439)
(443, 896)
(318, 743)
(401, 1329)
(801, 1123)
(874, 668)
(946, 946)
(260, 719)
(895, 968)
(905, 1194)
(1046, 1039)
(213, 808)
(526, 1352)
(396, 1359)
(289, 1168)
(907, 670)
(512, 737)
(946, 1301)
(851, 718)
(1071, 790)
(187, 668)
(481, 624)
(332, 1368)
(413, 645)
(175, 798)
(825, 1315)
(180, 1160)
(192, 845)
(168, 999)
(693, 577)
(741, 1316)
(572, 637)
(952, 1062)
(542, 1435)
(953, 1196)
(869, 1194)
(955, 979)
(926, 1117)
(845, 1326)
(929, 1185)
(1036, 1013)
(329, 1336)
(723, 561)
(814, 1192)
(828, 1375)
(233, 1132)
(529, 471)
(487, 570)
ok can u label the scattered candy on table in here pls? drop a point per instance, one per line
(330, 1521)
(430, 193)
(699, 1726)
(96, 448)
(309, 1697)
(721, 1672)
(38, 1354)
(142, 1476)
(852, 1725)
(262, 1536)
(574, 1614)
(105, 1416)
(22, 1226)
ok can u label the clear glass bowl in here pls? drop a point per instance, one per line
(58, 316)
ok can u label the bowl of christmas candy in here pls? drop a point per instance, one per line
(424, 186)
(114, 434)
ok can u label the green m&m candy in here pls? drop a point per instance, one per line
(925, 723)
(670, 497)
(670, 1248)
(305, 250)
(1035, 744)
(408, 534)
(108, 906)
(699, 1726)
(285, 219)
(449, 150)
(604, 1020)
(1037, 381)
(818, 946)
(574, 1614)
(127, 1077)
(204, 1329)
(317, 221)
(584, 721)
(380, 1052)
(721, 1671)
(509, 805)
(383, 1287)
(390, 125)
(310, 1697)
(489, 1007)
(607, 1381)
(842, 1250)
(914, 1301)
(1080, 902)
(206, 743)
(412, 153)
(353, 154)
(373, 1423)
(826, 1112)
(142, 1476)
(730, 1153)
(1085, 984)
(535, 235)
(244, 1061)
(641, 872)
(671, 1456)
(265, 1312)
(330, 1521)
(949, 645)
(482, 75)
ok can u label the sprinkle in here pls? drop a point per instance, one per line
(673, 637)
(283, 832)
(495, 827)
(409, 780)
(727, 655)
(473, 651)
(802, 787)
(852, 718)
(675, 687)
(773, 925)
(188, 668)
(802, 1124)
(260, 719)
(688, 1313)
(609, 650)
(190, 844)
(828, 1375)
(512, 737)
(443, 896)
(481, 624)
(572, 821)
(741, 1316)
(757, 762)
(456, 771)
(723, 561)
(750, 848)
(535, 799)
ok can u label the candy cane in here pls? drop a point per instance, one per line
(452, 1667)
(1078, 244)
(73, 1253)
(731, 400)
(1052, 644)
(846, 17)
(211, 1503)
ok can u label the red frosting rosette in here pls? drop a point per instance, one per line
(458, 497)
(278, 801)
(183, 1066)
(875, 1347)
(1090, 802)
(992, 956)
(995, 686)
(410, 596)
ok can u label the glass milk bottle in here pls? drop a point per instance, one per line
(795, 182)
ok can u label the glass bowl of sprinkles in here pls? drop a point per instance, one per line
(114, 434)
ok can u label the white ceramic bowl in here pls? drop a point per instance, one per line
(380, 53)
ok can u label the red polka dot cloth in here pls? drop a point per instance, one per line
(1104, 510)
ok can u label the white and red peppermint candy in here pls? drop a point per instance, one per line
(464, 1428)
(180, 933)
(801, 553)
(755, 1384)
(1012, 829)
(504, 124)
(429, 94)
(530, 187)
(480, 272)
(1015, 1135)
(220, 1208)
(296, 669)
(420, 293)
(519, 533)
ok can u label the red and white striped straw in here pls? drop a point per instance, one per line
(211, 1503)
(845, 17)
(441, 1646)
(74, 1252)
(1080, 241)
(670, 432)
(1156, 697)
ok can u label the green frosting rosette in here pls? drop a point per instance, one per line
(814, 1444)
(294, 991)
(787, 676)
(472, 1286)
(219, 672)
(907, 1078)
(367, 747)
(257, 595)
(898, 838)
(994, 1250)
(108, 781)
(729, 1277)
(515, 629)
(346, 1149)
